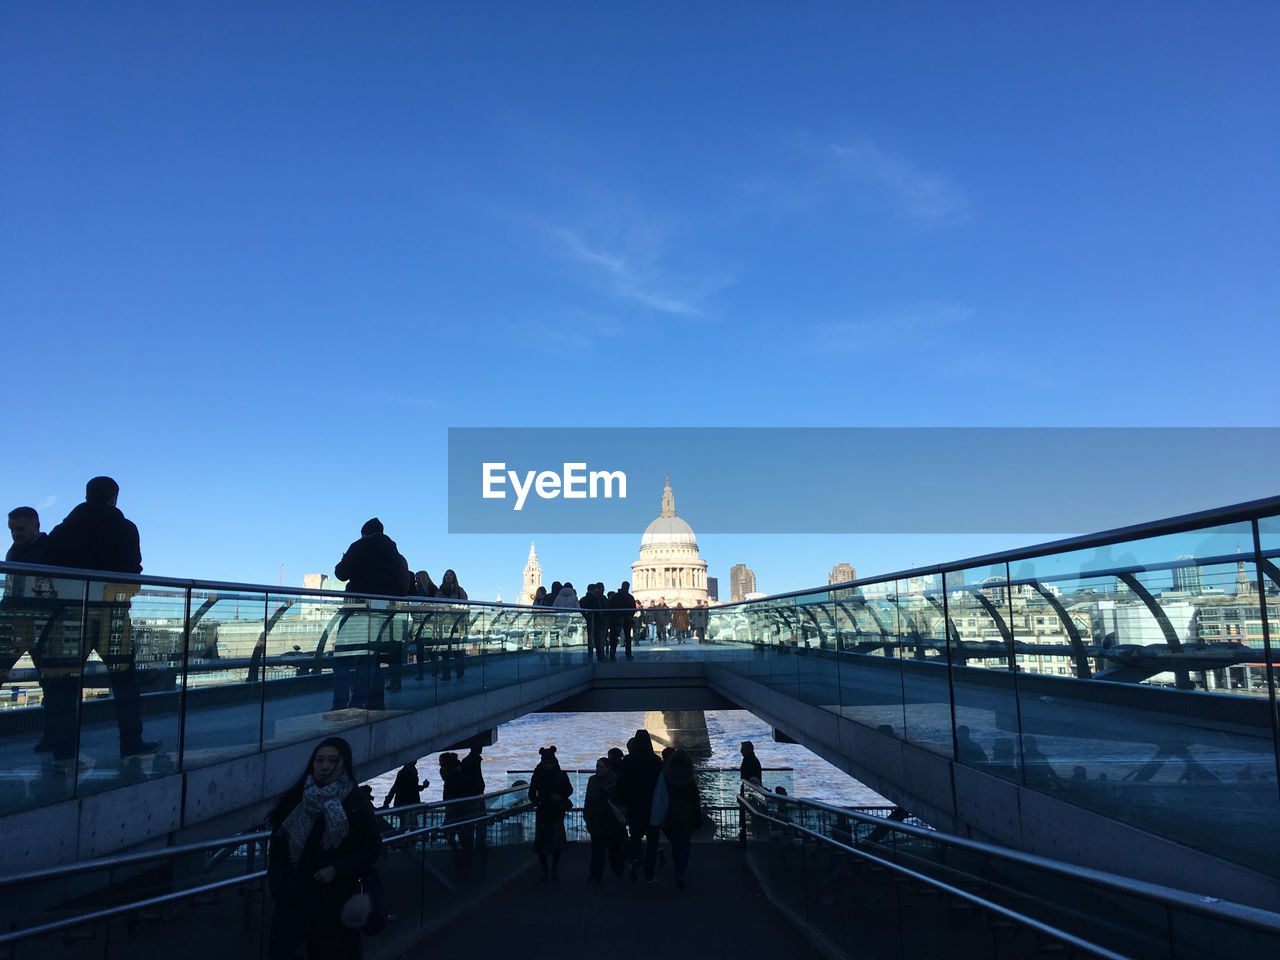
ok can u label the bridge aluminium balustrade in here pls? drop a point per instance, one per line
(876, 889)
(212, 896)
(1109, 699)
(237, 683)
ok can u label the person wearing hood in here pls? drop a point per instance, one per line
(637, 779)
(566, 599)
(677, 809)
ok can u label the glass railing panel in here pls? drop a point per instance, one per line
(1158, 735)
(981, 632)
(817, 663)
(870, 671)
(784, 631)
(926, 693)
(129, 699)
(1259, 677)
(40, 643)
(296, 655)
(223, 706)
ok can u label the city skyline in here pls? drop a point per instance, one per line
(259, 261)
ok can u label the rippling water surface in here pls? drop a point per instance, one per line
(580, 738)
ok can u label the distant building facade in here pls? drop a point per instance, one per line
(841, 573)
(532, 577)
(669, 566)
(742, 581)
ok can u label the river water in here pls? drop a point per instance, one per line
(580, 738)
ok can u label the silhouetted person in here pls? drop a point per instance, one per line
(676, 795)
(95, 536)
(549, 792)
(600, 812)
(751, 770)
(636, 781)
(24, 604)
(625, 604)
(454, 624)
(28, 542)
(406, 789)
(371, 565)
(461, 838)
(591, 604)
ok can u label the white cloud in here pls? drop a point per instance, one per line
(638, 274)
(919, 325)
(921, 195)
(46, 503)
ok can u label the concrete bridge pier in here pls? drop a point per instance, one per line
(683, 729)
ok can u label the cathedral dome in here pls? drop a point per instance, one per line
(669, 532)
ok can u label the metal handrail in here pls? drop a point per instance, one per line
(124, 909)
(1225, 910)
(166, 853)
(1006, 912)
(1249, 510)
(215, 586)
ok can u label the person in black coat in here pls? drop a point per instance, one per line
(625, 604)
(549, 792)
(324, 840)
(636, 780)
(371, 565)
(95, 536)
(406, 790)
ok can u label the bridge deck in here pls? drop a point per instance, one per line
(721, 912)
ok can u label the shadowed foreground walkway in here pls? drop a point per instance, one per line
(722, 911)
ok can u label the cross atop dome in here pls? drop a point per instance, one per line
(668, 500)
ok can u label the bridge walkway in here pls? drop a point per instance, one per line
(721, 911)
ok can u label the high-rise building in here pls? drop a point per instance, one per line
(713, 589)
(1187, 577)
(742, 581)
(532, 577)
(842, 573)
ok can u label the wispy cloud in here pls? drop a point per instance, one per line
(639, 274)
(411, 401)
(922, 195)
(46, 503)
(916, 326)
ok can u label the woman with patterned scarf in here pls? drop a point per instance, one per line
(324, 839)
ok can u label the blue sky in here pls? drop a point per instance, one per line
(255, 262)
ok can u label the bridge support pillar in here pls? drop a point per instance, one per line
(683, 729)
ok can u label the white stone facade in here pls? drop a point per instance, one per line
(669, 565)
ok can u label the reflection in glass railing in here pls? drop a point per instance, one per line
(107, 683)
(1131, 675)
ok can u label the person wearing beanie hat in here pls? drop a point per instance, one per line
(549, 792)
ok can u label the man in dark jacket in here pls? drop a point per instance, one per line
(625, 604)
(28, 541)
(96, 536)
(23, 605)
(591, 602)
(373, 564)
